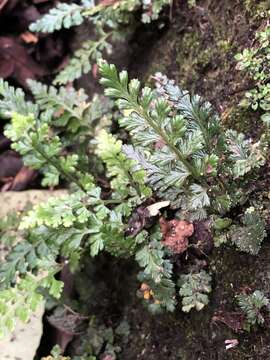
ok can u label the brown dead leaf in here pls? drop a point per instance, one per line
(10, 164)
(202, 238)
(21, 65)
(176, 234)
(140, 218)
(234, 320)
(29, 38)
(21, 181)
(94, 71)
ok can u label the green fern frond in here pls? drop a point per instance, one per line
(194, 289)
(19, 302)
(62, 16)
(13, 100)
(68, 101)
(81, 63)
(252, 305)
(124, 181)
(248, 238)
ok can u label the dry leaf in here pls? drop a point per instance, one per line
(21, 181)
(154, 208)
(231, 343)
(140, 218)
(176, 234)
(234, 320)
(29, 38)
(21, 65)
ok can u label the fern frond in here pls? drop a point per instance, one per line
(252, 305)
(81, 63)
(245, 154)
(179, 141)
(19, 302)
(62, 16)
(13, 100)
(66, 101)
(180, 159)
(194, 288)
(124, 181)
(248, 238)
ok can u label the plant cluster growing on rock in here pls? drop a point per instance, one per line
(179, 160)
(154, 177)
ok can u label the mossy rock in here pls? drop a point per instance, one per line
(198, 51)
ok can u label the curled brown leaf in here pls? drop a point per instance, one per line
(176, 234)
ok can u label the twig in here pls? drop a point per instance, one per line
(3, 3)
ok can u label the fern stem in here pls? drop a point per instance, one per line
(56, 164)
(165, 138)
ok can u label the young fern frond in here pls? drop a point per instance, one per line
(20, 301)
(148, 126)
(120, 168)
(41, 150)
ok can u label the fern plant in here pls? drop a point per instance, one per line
(179, 141)
(252, 305)
(254, 61)
(194, 290)
(178, 152)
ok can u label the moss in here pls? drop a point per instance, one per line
(202, 60)
(257, 9)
